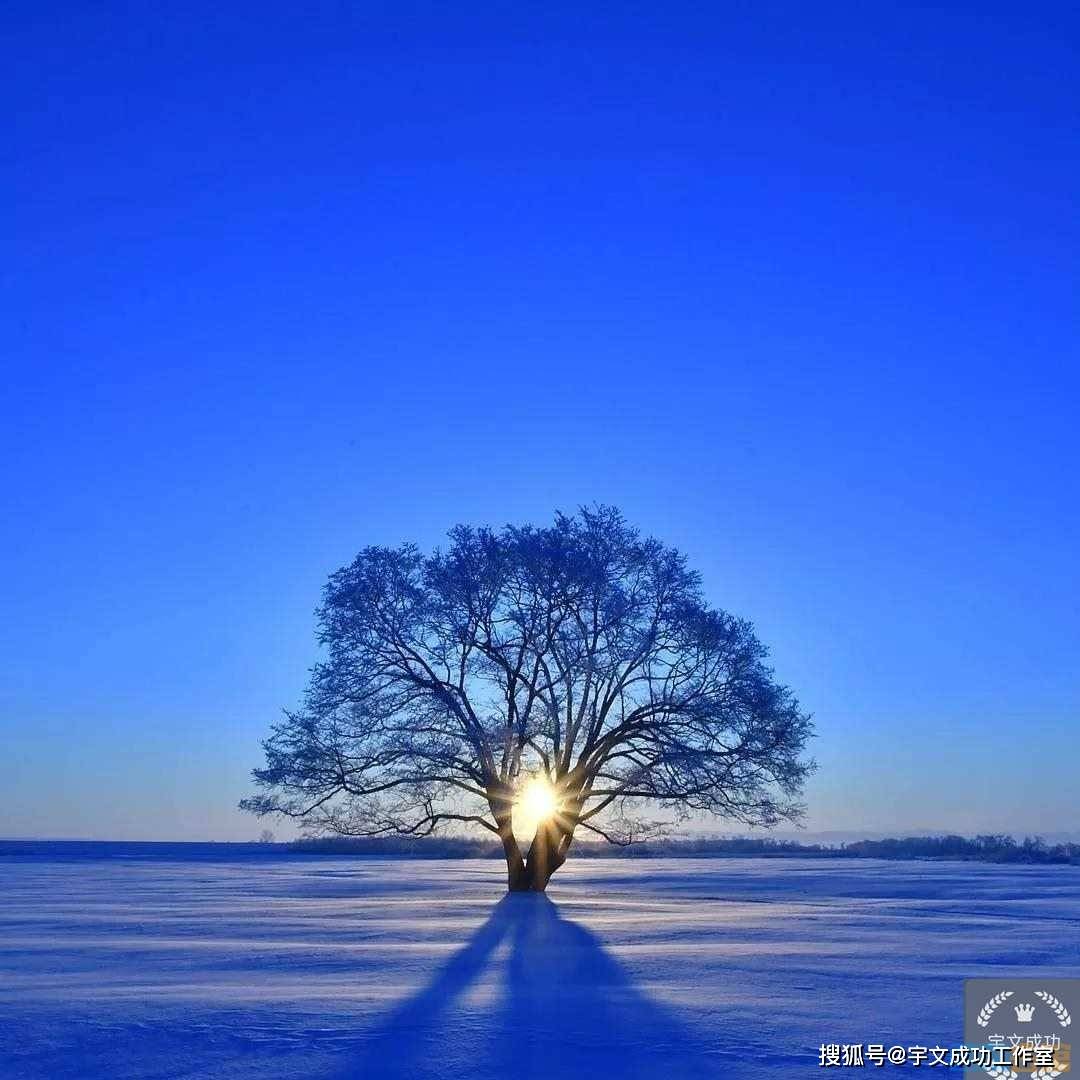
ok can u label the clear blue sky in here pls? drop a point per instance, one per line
(794, 285)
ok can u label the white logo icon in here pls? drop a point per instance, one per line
(1024, 1015)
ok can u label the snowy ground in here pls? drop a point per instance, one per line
(327, 968)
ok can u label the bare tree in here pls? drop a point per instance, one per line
(579, 661)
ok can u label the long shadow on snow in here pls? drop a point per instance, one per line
(562, 1006)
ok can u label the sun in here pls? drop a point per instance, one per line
(537, 801)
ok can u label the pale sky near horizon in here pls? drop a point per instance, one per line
(795, 288)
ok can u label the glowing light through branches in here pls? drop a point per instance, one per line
(536, 803)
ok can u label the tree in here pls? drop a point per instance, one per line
(574, 671)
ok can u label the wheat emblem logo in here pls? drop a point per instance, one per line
(1056, 1006)
(991, 1006)
(1047, 1073)
(1023, 1015)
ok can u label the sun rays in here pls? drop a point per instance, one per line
(537, 802)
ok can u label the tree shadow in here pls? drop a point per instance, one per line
(558, 1004)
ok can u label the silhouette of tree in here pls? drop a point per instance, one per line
(581, 655)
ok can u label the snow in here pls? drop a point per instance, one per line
(276, 967)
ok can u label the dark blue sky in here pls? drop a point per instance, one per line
(794, 285)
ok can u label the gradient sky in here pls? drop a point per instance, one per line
(793, 285)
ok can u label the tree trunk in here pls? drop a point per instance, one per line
(516, 870)
(546, 854)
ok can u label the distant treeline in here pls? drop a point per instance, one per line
(997, 848)
(1003, 849)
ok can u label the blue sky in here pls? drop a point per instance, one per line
(795, 286)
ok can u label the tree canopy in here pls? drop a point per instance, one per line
(579, 656)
